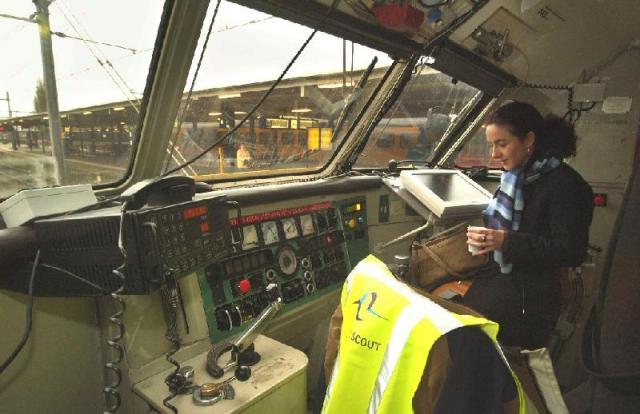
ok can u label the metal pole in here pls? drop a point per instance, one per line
(9, 105)
(48, 69)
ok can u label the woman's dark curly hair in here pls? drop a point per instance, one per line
(554, 136)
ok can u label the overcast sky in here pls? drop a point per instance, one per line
(246, 47)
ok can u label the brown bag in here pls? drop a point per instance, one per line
(444, 254)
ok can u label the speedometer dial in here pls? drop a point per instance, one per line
(287, 261)
(306, 222)
(249, 237)
(270, 232)
(290, 228)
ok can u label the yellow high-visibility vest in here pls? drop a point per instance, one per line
(388, 330)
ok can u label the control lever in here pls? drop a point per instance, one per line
(400, 265)
(181, 382)
(242, 349)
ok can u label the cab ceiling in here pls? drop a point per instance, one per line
(552, 41)
(345, 22)
(557, 41)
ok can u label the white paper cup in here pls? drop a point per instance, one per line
(472, 248)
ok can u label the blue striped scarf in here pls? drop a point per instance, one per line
(505, 209)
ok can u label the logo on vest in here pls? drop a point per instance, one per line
(364, 342)
(363, 300)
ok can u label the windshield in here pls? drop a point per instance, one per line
(101, 56)
(300, 124)
(477, 152)
(411, 128)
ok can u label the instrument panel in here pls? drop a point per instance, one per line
(175, 239)
(307, 251)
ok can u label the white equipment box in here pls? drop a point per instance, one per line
(29, 204)
(446, 192)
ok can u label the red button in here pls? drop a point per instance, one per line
(244, 286)
(599, 200)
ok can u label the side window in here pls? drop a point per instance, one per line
(98, 114)
(385, 141)
(263, 138)
(477, 153)
(408, 141)
(427, 107)
(287, 138)
(302, 138)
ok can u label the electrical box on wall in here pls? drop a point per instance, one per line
(588, 92)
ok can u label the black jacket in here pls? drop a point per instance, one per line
(554, 233)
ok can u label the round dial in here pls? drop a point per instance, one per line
(270, 232)
(306, 223)
(249, 237)
(290, 228)
(287, 261)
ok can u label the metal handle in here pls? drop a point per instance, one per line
(246, 338)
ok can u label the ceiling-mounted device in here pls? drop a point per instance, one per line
(492, 44)
(400, 16)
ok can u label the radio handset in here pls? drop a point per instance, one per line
(159, 191)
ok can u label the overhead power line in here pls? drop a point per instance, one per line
(64, 35)
(29, 19)
(250, 22)
(102, 60)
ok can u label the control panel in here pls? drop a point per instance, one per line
(179, 238)
(190, 236)
(307, 251)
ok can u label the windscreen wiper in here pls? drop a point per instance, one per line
(411, 163)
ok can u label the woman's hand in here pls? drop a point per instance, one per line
(482, 240)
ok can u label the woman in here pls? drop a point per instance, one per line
(537, 223)
(243, 157)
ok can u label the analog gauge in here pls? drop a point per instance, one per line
(249, 237)
(287, 261)
(270, 232)
(307, 224)
(290, 228)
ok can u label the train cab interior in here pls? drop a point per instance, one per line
(186, 184)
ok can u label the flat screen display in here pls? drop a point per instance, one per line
(450, 187)
(445, 192)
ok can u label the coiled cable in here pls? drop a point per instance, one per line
(112, 396)
(572, 114)
(170, 302)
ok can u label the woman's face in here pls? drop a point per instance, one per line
(510, 150)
